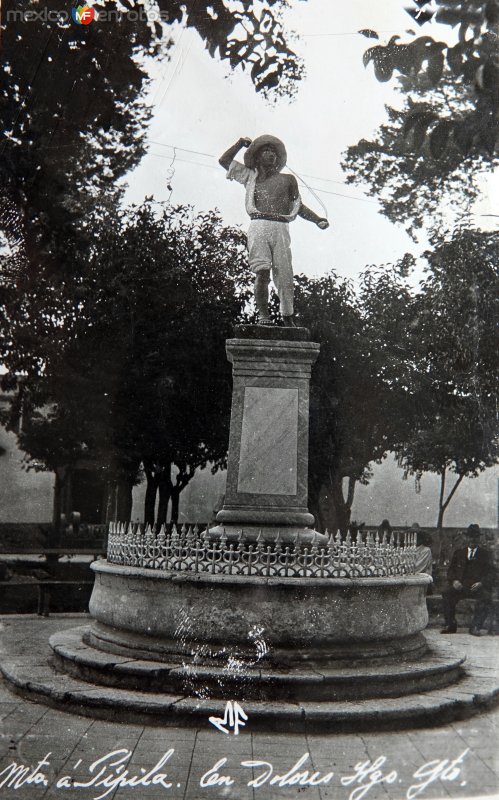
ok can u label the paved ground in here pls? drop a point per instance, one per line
(460, 760)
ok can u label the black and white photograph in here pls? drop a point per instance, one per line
(249, 380)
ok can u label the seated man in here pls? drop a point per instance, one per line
(470, 574)
(272, 201)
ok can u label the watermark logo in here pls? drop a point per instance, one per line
(234, 717)
(83, 15)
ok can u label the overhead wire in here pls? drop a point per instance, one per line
(170, 174)
(315, 189)
(312, 192)
(185, 161)
(179, 65)
(184, 149)
(344, 33)
(168, 61)
(210, 155)
(212, 166)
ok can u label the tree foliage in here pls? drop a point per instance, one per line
(472, 62)
(426, 161)
(412, 187)
(75, 121)
(73, 111)
(133, 370)
(454, 344)
(404, 371)
(357, 395)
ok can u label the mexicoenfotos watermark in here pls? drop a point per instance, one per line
(84, 14)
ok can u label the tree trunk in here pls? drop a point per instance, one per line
(316, 509)
(62, 475)
(124, 500)
(57, 503)
(328, 519)
(315, 506)
(331, 509)
(441, 508)
(175, 498)
(150, 498)
(440, 519)
(165, 492)
(111, 502)
(343, 507)
(184, 475)
(443, 504)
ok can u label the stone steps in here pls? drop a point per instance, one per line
(313, 683)
(39, 679)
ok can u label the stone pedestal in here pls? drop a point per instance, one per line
(267, 472)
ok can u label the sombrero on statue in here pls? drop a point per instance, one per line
(256, 145)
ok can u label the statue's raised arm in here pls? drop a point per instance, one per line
(228, 157)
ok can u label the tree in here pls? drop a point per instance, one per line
(176, 407)
(73, 109)
(471, 63)
(412, 187)
(357, 396)
(453, 339)
(72, 116)
(427, 159)
(421, 165)
(138, 374)
(414, 373)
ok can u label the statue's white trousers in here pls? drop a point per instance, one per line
(269, 246)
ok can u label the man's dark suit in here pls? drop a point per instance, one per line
(477, 569)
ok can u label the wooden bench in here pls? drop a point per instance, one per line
(43, 586)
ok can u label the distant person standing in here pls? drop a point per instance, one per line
(385, 527)
(424, 556)
(470, 574)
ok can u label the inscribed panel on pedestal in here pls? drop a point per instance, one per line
(269, 441)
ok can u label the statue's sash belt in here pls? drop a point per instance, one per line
(270, 217)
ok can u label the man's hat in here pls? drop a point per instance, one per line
(473, 529)
(251, 153)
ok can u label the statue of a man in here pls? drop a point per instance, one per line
(272, 201)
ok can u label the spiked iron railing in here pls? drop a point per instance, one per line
(187, 549)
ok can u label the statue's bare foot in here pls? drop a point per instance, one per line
(264, 321)
(289, 322)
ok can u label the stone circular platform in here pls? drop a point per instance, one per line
(160, 615)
